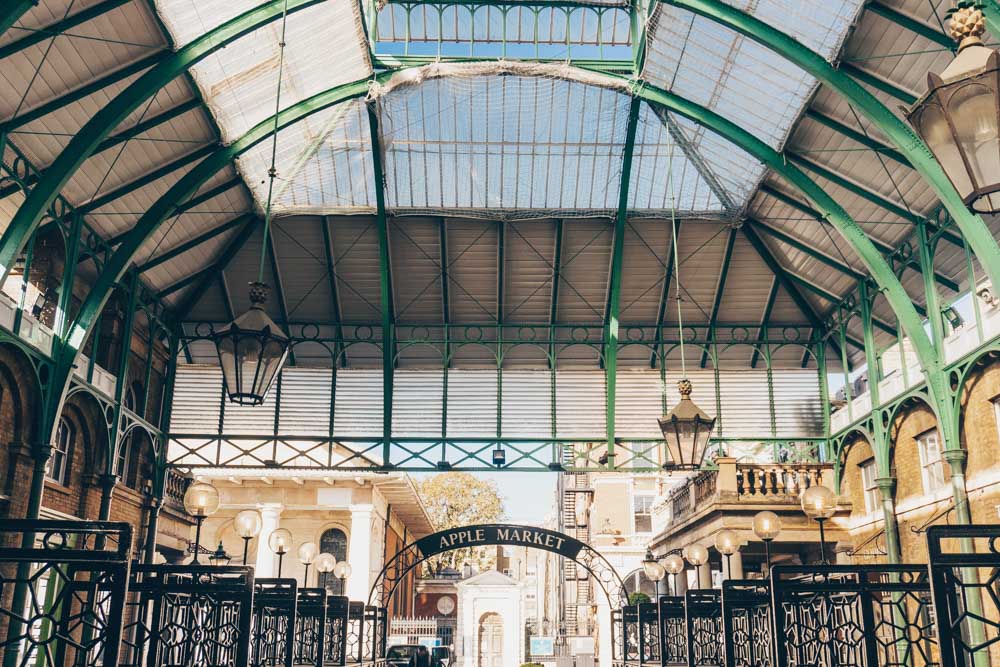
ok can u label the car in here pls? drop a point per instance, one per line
(400, 654)
(441, 656)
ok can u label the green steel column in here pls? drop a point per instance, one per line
(160, 467)
(97, 129)
(933, 300)
(887, 491)
(991, 9)
(868, 333)
(899, 133)
(385, 282)
(615, 283)
(10, 14)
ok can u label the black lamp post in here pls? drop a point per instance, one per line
(766, 526)
(247, 524)
(201, 501)
(280, 541)
(819, 503)
(251, 351)
(686, 429)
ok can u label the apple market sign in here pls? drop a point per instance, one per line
(500, 534)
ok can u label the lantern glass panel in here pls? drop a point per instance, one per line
(933, 126)
(974, 110)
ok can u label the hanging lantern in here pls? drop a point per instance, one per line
(686, 430)
(251, 351)
(957, 116)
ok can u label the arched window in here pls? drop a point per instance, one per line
(58, 466)
(638, 582)
(333, 541)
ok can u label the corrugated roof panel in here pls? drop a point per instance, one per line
(472, 270)
(417, 401)
(583, 284)
(244, 268)
(527, 404)
(415, 246)
(472, 403)
(702, 244)
(325, 46)
(645, 255)
(356, 260)
(191, 412)
(746, 404)
(298, 247)
(798, 410)
(529, 253)
(748, 285)
(211, 304)
(580, 405)
(358, 405)
(510, 143)
(305, 401)
(190, 263)
(639, 401)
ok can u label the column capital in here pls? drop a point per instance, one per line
(956, 458)
(270, 509)
(887, 485)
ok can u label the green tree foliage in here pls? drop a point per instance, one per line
(455, 499)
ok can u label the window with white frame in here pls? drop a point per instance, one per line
(996, 413)
(58, 464)
(869, 473)
(933, 469)
(642, 505)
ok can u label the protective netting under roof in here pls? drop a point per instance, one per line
(509, 145)
(324, 163)
(678, 166)
(737, 77)
(325, 46)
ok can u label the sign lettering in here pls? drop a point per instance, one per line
(495, 534)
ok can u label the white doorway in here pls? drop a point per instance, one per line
(490, 640)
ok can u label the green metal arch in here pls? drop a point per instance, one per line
(899, 133)
(187, 186)
(97, 129)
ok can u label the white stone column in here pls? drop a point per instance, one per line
(359, 553)
(604, 635)
(704, 576)
(265, 562)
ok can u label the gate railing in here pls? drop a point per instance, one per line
(747, 623)
(310, 627)
(273, 629)
(704, 628)
(70, 587)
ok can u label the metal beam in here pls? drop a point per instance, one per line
(385, 284)
(615, 283)
(331, 273)
(189, 184)
(720, 289)
(554, 293)
(807, 249)
(279, 287)
(668, 271)
(912, 24)
(196, 241)
(38, 35)
(168, 66)
(215, 269)
(973, 228)
(869, 195)
(883, 247)
(783, 278)
(10, 13)
(79, 93)
(857, 136)
(878, 83)
(765, 319)
(146, 179)
(148, 124)
(445, 296)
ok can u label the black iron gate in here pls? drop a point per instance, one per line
(704, 628)
(273, 633)
(310, 627)
(746, 623)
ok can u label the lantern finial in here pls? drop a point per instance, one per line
(259, 292)
(684, 387)
(966, 23)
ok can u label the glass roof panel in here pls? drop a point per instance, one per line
(679, 165)
(325, 46)
(523, 144)
(507, 31)
(324, 163)
(742, 80)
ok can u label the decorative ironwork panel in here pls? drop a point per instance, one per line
(649, 647)
(188, 615)
(631, 634)
(618, 636)
(746, 623)
(273, 632)
(852, 616)
(965, 578)
(673, 630)
(310, 627)
(61, 597)
(335, 647)
(373, 635)
(704, 628)
(355, 631)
